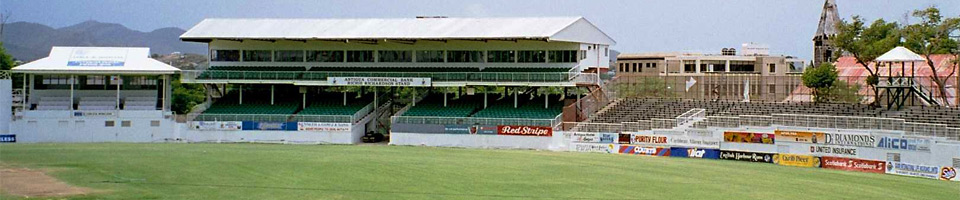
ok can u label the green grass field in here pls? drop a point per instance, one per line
(261, 171)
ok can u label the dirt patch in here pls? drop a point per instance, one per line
(35, 183)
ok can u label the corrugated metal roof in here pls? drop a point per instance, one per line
(398, 28)
(97, 60)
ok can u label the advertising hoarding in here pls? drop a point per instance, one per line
(833, 150)
(853, 164)
(323, 126)
(269, 126)
(796, 160)
(217, 125)
(746, 137)
(641, 150)
(379, 81)
(900, 143)
(590, 137)
(860, 140)
(525, 130)
(694, 153)
(908, 169)
(594, 147)
(799, 136)
(747, 156)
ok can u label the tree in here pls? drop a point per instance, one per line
(865, 44)
(819, 79)
(932, 36)
(6, 61)
(843, 92)
(185, 96)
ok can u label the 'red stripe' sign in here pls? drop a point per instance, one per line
(525, 130)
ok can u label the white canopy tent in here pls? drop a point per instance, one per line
(107, 61)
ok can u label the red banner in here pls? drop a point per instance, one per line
(851, 164)
(525, 130)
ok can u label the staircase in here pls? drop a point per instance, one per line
(926, 96)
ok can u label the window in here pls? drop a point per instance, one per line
(772, 88)
(395, 56)
(654, 65)
(689, 65)
(324, 56)
(109, 123)
(634, 67)
(531, 56)
(155, 123)
(773, 68)
(57, 80)
(563, 56)
(741, 66)
(225, 55)
(795, 67)
(141, 80)
(583, 54)
(621, 67)
(429, 56)
(502, 56)
(606, 51)
(95, 80)
(124, 123)
(289, 56)
(359, 56)
(257, 56)
(464, 56)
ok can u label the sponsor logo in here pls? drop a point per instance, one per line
(525, 130)
(640, 150)
(904, 144)
(11, 138)
(322, 126)
(694, 152)
(744, 137)
(796, 160)
(799, 136)
(747, 156)
(851, 164)
(649, 139)
(592, 137)
(833, 150)
(595, 148)
(908, 169)
(948, 173)
(849, 139)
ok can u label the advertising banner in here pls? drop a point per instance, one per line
(94, 113)
(11, 138)
(216, 125)
(852, 164)
(835, 151)
(796, 160)
(694, 153)
(525, 130)
(747, 156)
(378, 81)
(649, 139)
(639, 150)
(269, 126)
(948, 174)
(624, 138)
(323, 126)
(907, 169)
(799, 136)
(860, 140)
(745, 137)
(594, 147)
(93, 57)
(589, 137)
(913, 144)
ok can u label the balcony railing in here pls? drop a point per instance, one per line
(587, 78)
(275, 118)
(475, 120)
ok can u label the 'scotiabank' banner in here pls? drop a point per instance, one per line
(796, 160)
(853, 164)
(694, 153)
(640, 150)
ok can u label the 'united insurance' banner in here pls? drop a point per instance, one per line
(852, 164)
(745, 137)
(747, 156)
(796, 160)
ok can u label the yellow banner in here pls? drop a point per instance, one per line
(800, 136)
(796, 160)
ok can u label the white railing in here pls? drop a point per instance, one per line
(194, 75)
(5, 74)
(272, 118)
(472, 121)
(691, 115)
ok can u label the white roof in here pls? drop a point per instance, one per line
(97, 60)
(900, 54)
(568, 29)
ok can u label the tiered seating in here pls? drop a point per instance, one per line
(532, 109)
(631, 110)
(231, 107)
(257, 72)
(433, 106)
(140, 103)
(97, 103)
(334, 106)
(932, 115)
(435, 73)
(54, 103)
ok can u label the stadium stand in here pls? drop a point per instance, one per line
(532, 109)
(930, 115)
(433, 106)
(54, 103)
(97, 103)
(334, 106)
(435, 73)
(140, 103)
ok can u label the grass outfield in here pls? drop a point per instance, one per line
(262, 171)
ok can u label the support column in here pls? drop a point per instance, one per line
(444, 99)
(375, 96)
(696, 68)
(119, 82)
(303, 103)
(241, 95)
(271, 94)
(485, 99)
(23, 93)
(344, 98)
(546, 103)
(72, 78)
(726, 66)
(515, 94)
(413, 98)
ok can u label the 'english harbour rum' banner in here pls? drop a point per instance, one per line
(907, 169)
(747, 156)
(853, 164)
(796, 160)
(525, 130)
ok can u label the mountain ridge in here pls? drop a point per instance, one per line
(28, 41)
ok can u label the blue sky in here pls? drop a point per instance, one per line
(638, 25)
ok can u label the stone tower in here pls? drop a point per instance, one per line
(823, 50)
